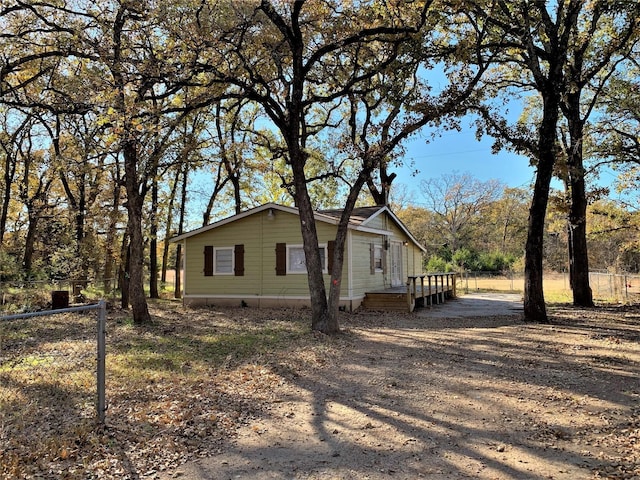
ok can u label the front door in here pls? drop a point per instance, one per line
(396, 264)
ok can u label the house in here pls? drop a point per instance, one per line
(256, 257)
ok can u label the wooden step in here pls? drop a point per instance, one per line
(385, 301)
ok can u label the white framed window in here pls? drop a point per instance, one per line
(296, 261)
(223, 259)
(378, 264)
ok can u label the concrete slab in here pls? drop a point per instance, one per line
(475, 305)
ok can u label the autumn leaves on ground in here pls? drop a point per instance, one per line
(393, 396)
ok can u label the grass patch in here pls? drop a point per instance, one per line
(191, 376)
(556, 288)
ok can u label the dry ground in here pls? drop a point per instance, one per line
(394, 396)
(407, 397)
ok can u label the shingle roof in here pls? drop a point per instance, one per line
(358, 219)
(358, 215)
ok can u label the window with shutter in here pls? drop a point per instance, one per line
(297, 261)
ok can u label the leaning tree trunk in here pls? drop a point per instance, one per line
(318, 295)
(338, 252)
(320, 319)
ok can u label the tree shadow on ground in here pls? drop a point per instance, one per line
(465, 398)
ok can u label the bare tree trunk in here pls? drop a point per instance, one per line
(578, 250)
(183, 203)
(109, 262)
(338, 260)
(321, 320)
(9, 175)
(582, 294)
(9, 171)
(178, 287)
(169, 226)
(136, 245)
(535, 309)
(153, 241)
(534, 304)
(29, 244)
(124, 274)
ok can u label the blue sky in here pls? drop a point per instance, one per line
(460, 152)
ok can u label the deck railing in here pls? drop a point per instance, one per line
(435, 291)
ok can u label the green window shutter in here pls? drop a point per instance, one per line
(238, 253)
(331, 247)
(281, 258)
(208, 261)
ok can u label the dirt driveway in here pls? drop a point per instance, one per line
(448, 395)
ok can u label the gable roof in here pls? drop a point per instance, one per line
(362, 216)
(359, 220)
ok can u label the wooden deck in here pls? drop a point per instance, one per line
(419, 291)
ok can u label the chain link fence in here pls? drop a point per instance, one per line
(618, 287)
(52, 380)
(606, 287)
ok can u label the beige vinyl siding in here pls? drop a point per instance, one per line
(363, 280)
(414, 260)
(381, 221)
(242, 232)
(285, 228)
(259, 234)
(411, 255)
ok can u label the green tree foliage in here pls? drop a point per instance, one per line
(109, 110)
(616, 134)
(299, 62)
(556, 50)
(494, 229)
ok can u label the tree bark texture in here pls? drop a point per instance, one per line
(153, 240)
(534, 304)
(582, 294)
(183, 202)
(579, 257)
(136, 245)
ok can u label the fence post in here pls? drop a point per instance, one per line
(102, 334)
(626, 288)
